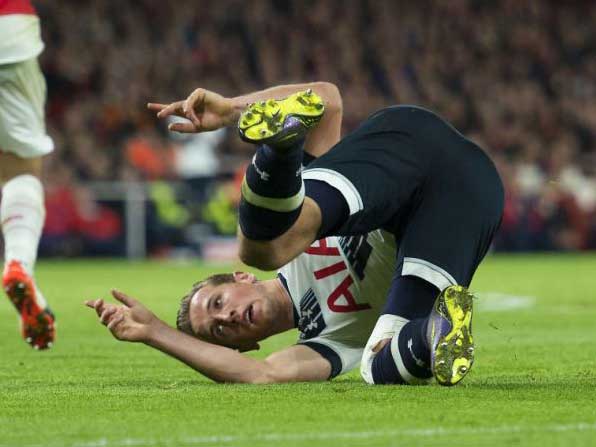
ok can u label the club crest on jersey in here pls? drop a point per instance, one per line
(311, 322)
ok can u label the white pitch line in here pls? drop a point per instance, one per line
(326, 436)
(502, 302)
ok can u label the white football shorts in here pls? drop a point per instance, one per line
(22, 116)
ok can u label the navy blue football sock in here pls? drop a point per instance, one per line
(384, 369)
(272, 193)
(410, 297)
(413, 348)
(406, 359)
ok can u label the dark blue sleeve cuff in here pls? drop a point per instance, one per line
(329, 354)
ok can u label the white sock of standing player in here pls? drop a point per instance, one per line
(22, 214)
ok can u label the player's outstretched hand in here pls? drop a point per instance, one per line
(205, 110)
(130, 321)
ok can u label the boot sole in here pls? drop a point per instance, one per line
(263, 122)
(454, 353)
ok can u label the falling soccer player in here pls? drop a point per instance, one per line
(435, 195)
(23, 143)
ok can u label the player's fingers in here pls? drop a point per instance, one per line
(173, 109)
(156, 106)
(123, 298)
(193, 100)
(90, 303)
(191, 115)
(99, 306)
(184, 127)
(115, 321)
(107, 314)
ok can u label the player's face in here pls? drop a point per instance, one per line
(236, 314)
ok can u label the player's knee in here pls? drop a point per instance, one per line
(258, 254)
(332, 95)
(252, 260)
(12, 166)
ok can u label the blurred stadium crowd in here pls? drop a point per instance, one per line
(517, 77)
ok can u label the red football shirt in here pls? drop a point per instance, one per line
(16, 7)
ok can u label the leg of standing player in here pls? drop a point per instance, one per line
(23, 142)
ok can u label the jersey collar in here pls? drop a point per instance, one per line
(295, 311)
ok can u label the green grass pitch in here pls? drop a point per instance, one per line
(534, 381)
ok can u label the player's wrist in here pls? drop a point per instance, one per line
(154, 332)
(237, 105)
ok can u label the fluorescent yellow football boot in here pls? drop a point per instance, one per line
(450, 335)
(280, 123)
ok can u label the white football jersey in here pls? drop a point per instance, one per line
(338, 288)
(20, 38)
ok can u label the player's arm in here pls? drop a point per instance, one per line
(133, 322)
(207, 110)
(221, 364)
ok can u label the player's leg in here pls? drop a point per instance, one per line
(22, 210)
(358, 186)
(438, 342)
(23, 141)
(398, 350)
(272, 190)
(275, 219)
(445, 240)
(22, 215)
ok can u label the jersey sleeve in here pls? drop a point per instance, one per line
(343, 358)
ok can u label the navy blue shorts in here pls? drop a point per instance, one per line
(408, 171)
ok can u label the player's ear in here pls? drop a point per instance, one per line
(244, 277)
